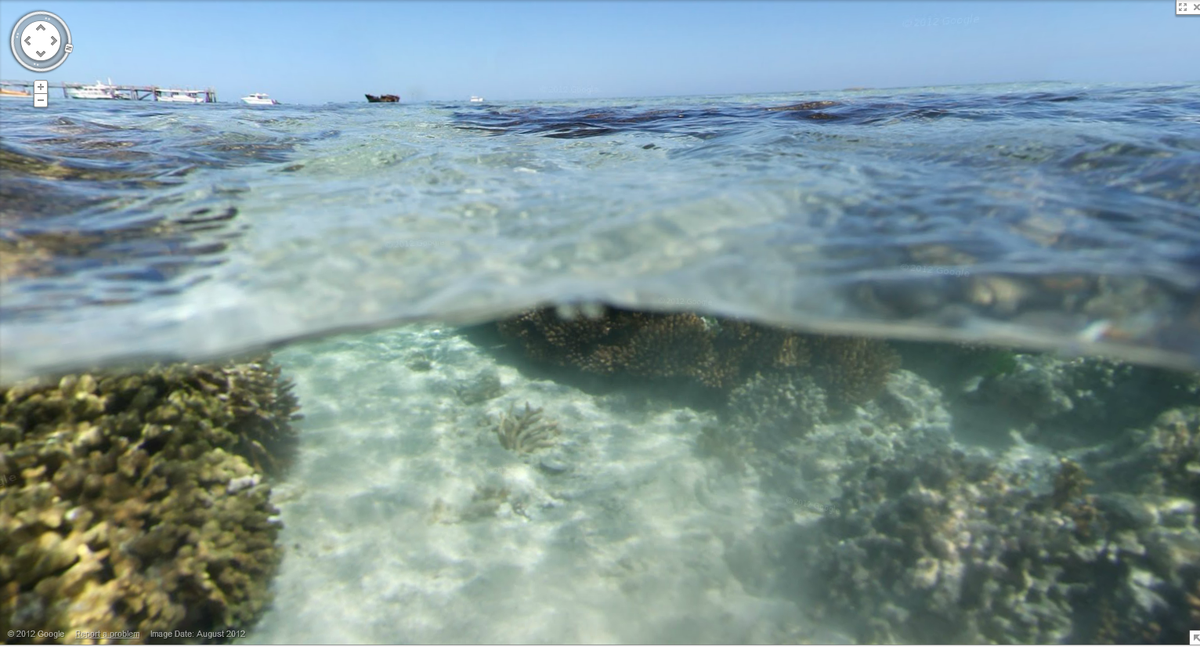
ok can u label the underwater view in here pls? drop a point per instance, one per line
(864, 366)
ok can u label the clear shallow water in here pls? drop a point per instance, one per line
(1052, 215)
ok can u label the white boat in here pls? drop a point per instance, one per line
(476, 99)
(180, 97)
(259, 99)
(97, 91)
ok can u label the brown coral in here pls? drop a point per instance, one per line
(1069, 497)
(119, 511)
(620, 341)
(852, 369)
(716, 353)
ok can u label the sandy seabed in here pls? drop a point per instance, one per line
(406, 521)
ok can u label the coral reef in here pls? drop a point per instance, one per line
(852, 370)
(1089, 391)
(619, 341)
(526, 430)
(132, 501)
(1177, 434)
(1055, 401)
(1162, 460)
(716, 353)
(786, 401)
(942, 548)
(946, 547)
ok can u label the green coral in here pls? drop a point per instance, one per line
(131, 500)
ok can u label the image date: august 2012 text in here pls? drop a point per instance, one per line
(205, 635)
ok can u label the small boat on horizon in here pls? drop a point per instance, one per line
(15, 94)
(475, 99)
(259, 99)
(386, 98)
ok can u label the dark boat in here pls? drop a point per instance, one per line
(387, 98)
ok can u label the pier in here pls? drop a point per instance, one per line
(126, 92)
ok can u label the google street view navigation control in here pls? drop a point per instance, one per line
(41, 41)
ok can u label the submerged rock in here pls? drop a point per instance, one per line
(129, 501)
(484, 386)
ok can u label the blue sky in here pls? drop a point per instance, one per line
(313, 51)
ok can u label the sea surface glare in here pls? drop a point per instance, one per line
(1052, 215)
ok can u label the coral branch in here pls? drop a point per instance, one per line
(525, 431)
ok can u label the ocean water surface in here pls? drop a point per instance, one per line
(1045, 236)
(1053, 215)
